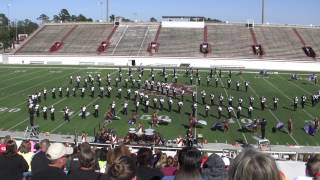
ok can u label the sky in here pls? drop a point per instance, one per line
(304, 12)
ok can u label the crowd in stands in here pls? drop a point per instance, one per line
(48, 160)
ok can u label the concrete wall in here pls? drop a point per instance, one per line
(178, 24)
(258, 64)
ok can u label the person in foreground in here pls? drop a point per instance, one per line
(57, 155)
(123, 168)
(253, 165)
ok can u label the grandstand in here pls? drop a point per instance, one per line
(133, 39)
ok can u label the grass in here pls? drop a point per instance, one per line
(17, 82)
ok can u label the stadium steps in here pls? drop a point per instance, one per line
(230, 41)
(311, 37)
(280, 43)
(42, 42)
(180, 42)
(85, 39)
(135, 41)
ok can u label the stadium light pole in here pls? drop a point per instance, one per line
(262, 13)
(107, 9)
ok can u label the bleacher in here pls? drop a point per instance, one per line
(311, 37)
(229, 41)
(132, 40)
(280, 43)
(85, 39)
(41, 42)
(180, 42)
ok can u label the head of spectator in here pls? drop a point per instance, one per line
(57, 154)
(123, 168)
(313, 167)
(162, 162)
(251, 165)
(144, 157)
(87, 159)
(25, 147)
(44, 145)
(214, 168)
(189, 164)
(11, 148)
(117, 152)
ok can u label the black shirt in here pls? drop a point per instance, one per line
(147, 173)
(79, 174)
(50, 173)
(12, 167)
(39, 162)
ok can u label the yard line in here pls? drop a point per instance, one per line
(18, 76)
(23, 81)
(28, 118)
(307, 113)
(254, 91)
(36, 85)
(122, 35)
(53, 130)
(295, 141)
(244, 136)
(298, 86)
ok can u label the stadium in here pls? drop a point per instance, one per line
(183, 81)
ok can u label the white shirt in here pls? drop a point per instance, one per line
(96, 106)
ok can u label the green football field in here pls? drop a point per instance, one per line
(17, 82)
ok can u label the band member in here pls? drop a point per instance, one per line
(238, 85)
(250, 110)
(192, 121)
(229, 83)
(52, 113)
(207, 108)
(303, 101)
(239, 111)
(189, 137)
(263, 103)
(96, 110)
(290, 126)
(194, 109)
(263, 125)
(203, 96)
(212, 99)
(170, 102)
(246, 84)
(74, 92)
(146, 110)
(45, 94)
(180, 105)
(208, 80)
(137, 106)
(82, 92)
(66, 111)
(295, 103)
(219, 112)
(225, 126)
(125, 108)
(161, 103)
(155, 119)
(60, 91)
(45, 112)
(216, 81)
(251, 100)
(113, 108)
(31, 115)
(67, 92)
(275, 103)
(37, 109)
(92, 91)
(182, 95)
(230, 109)
(53, 93)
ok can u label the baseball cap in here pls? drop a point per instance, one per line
(58, 150)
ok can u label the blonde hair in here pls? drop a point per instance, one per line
(252, 165)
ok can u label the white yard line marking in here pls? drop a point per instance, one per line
(75, 114)
(28, 118)
(19, 76)
(257, 95)
(122, 35)
(18, 92)
(23, 81)
(297, 86)
(244, 136)
(295, 141)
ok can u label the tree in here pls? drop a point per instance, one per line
(81, 18)
(3, 20)
(64, 15)
(43, 18)
(112, 18)
(153, 19)
(213, 20)
(73, 18)
(56, 18)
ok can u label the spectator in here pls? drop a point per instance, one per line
(214, 168)
(40, 160)
(145, 171)
(86, 171)
(189, 164)
(253, 165)
(162, 162)
(12, 165)
(57, 154)
(123, 168)
(102, 159)
(25, 152)
(116, 153)
(313, 167)
(169, 169)
(75, 164)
